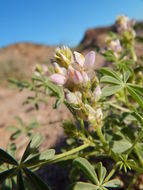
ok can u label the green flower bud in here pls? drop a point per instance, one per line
(63, 56)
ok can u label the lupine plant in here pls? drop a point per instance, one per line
(107, 123)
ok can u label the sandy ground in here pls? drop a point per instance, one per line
(11, 105)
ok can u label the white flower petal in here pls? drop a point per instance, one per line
(79, 58)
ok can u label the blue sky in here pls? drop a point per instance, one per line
(59, 21)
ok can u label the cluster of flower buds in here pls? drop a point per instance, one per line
(124, 38)
(123, 23)
(72, 71)
(125, 28)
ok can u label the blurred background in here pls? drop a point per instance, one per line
(29, 32)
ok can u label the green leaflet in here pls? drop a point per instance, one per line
(35, 181)
(87, 168)
(6, 174)
(112, 183)
(138, 89)
(135, 96)
(20, 183)
(138, 117)
(110, 90)
(7, 158)
(110, 72)
(110, 80)
(83, 186)
(32, 146)
(121, 146)
(46, 155)
(101, 172)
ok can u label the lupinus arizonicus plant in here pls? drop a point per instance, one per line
(107, 110)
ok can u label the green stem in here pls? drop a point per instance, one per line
(106, 147)
(135, 142)
(61, 156)
(139, 157)
(133, 181)
(133, 54)
(126, 97)
(82, 126)
(101, 137)
(119, 107)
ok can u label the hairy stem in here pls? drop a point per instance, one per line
(106, 147)
(61, 156)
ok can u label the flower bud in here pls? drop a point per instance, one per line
(63, 56)
(97, 93)
(59, 70)
(99, 114)
(85, 76)
(122, 23)
(58, 79)
(115, 46)
(79, 58)
(71, 98)
(91, 112)
(74, 75)
(89, 60)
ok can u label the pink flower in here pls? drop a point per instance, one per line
(89, 60)
(86, 62)
(74, 75)
(77, 78)
(85, 76)
(58, 79)
(115, 46)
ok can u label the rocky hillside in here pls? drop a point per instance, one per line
(18, 60)
(95, 37)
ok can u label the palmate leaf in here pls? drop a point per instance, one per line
(83, 186)
(7, 158)
(110, 90)
(87, 169)
(35, 181)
